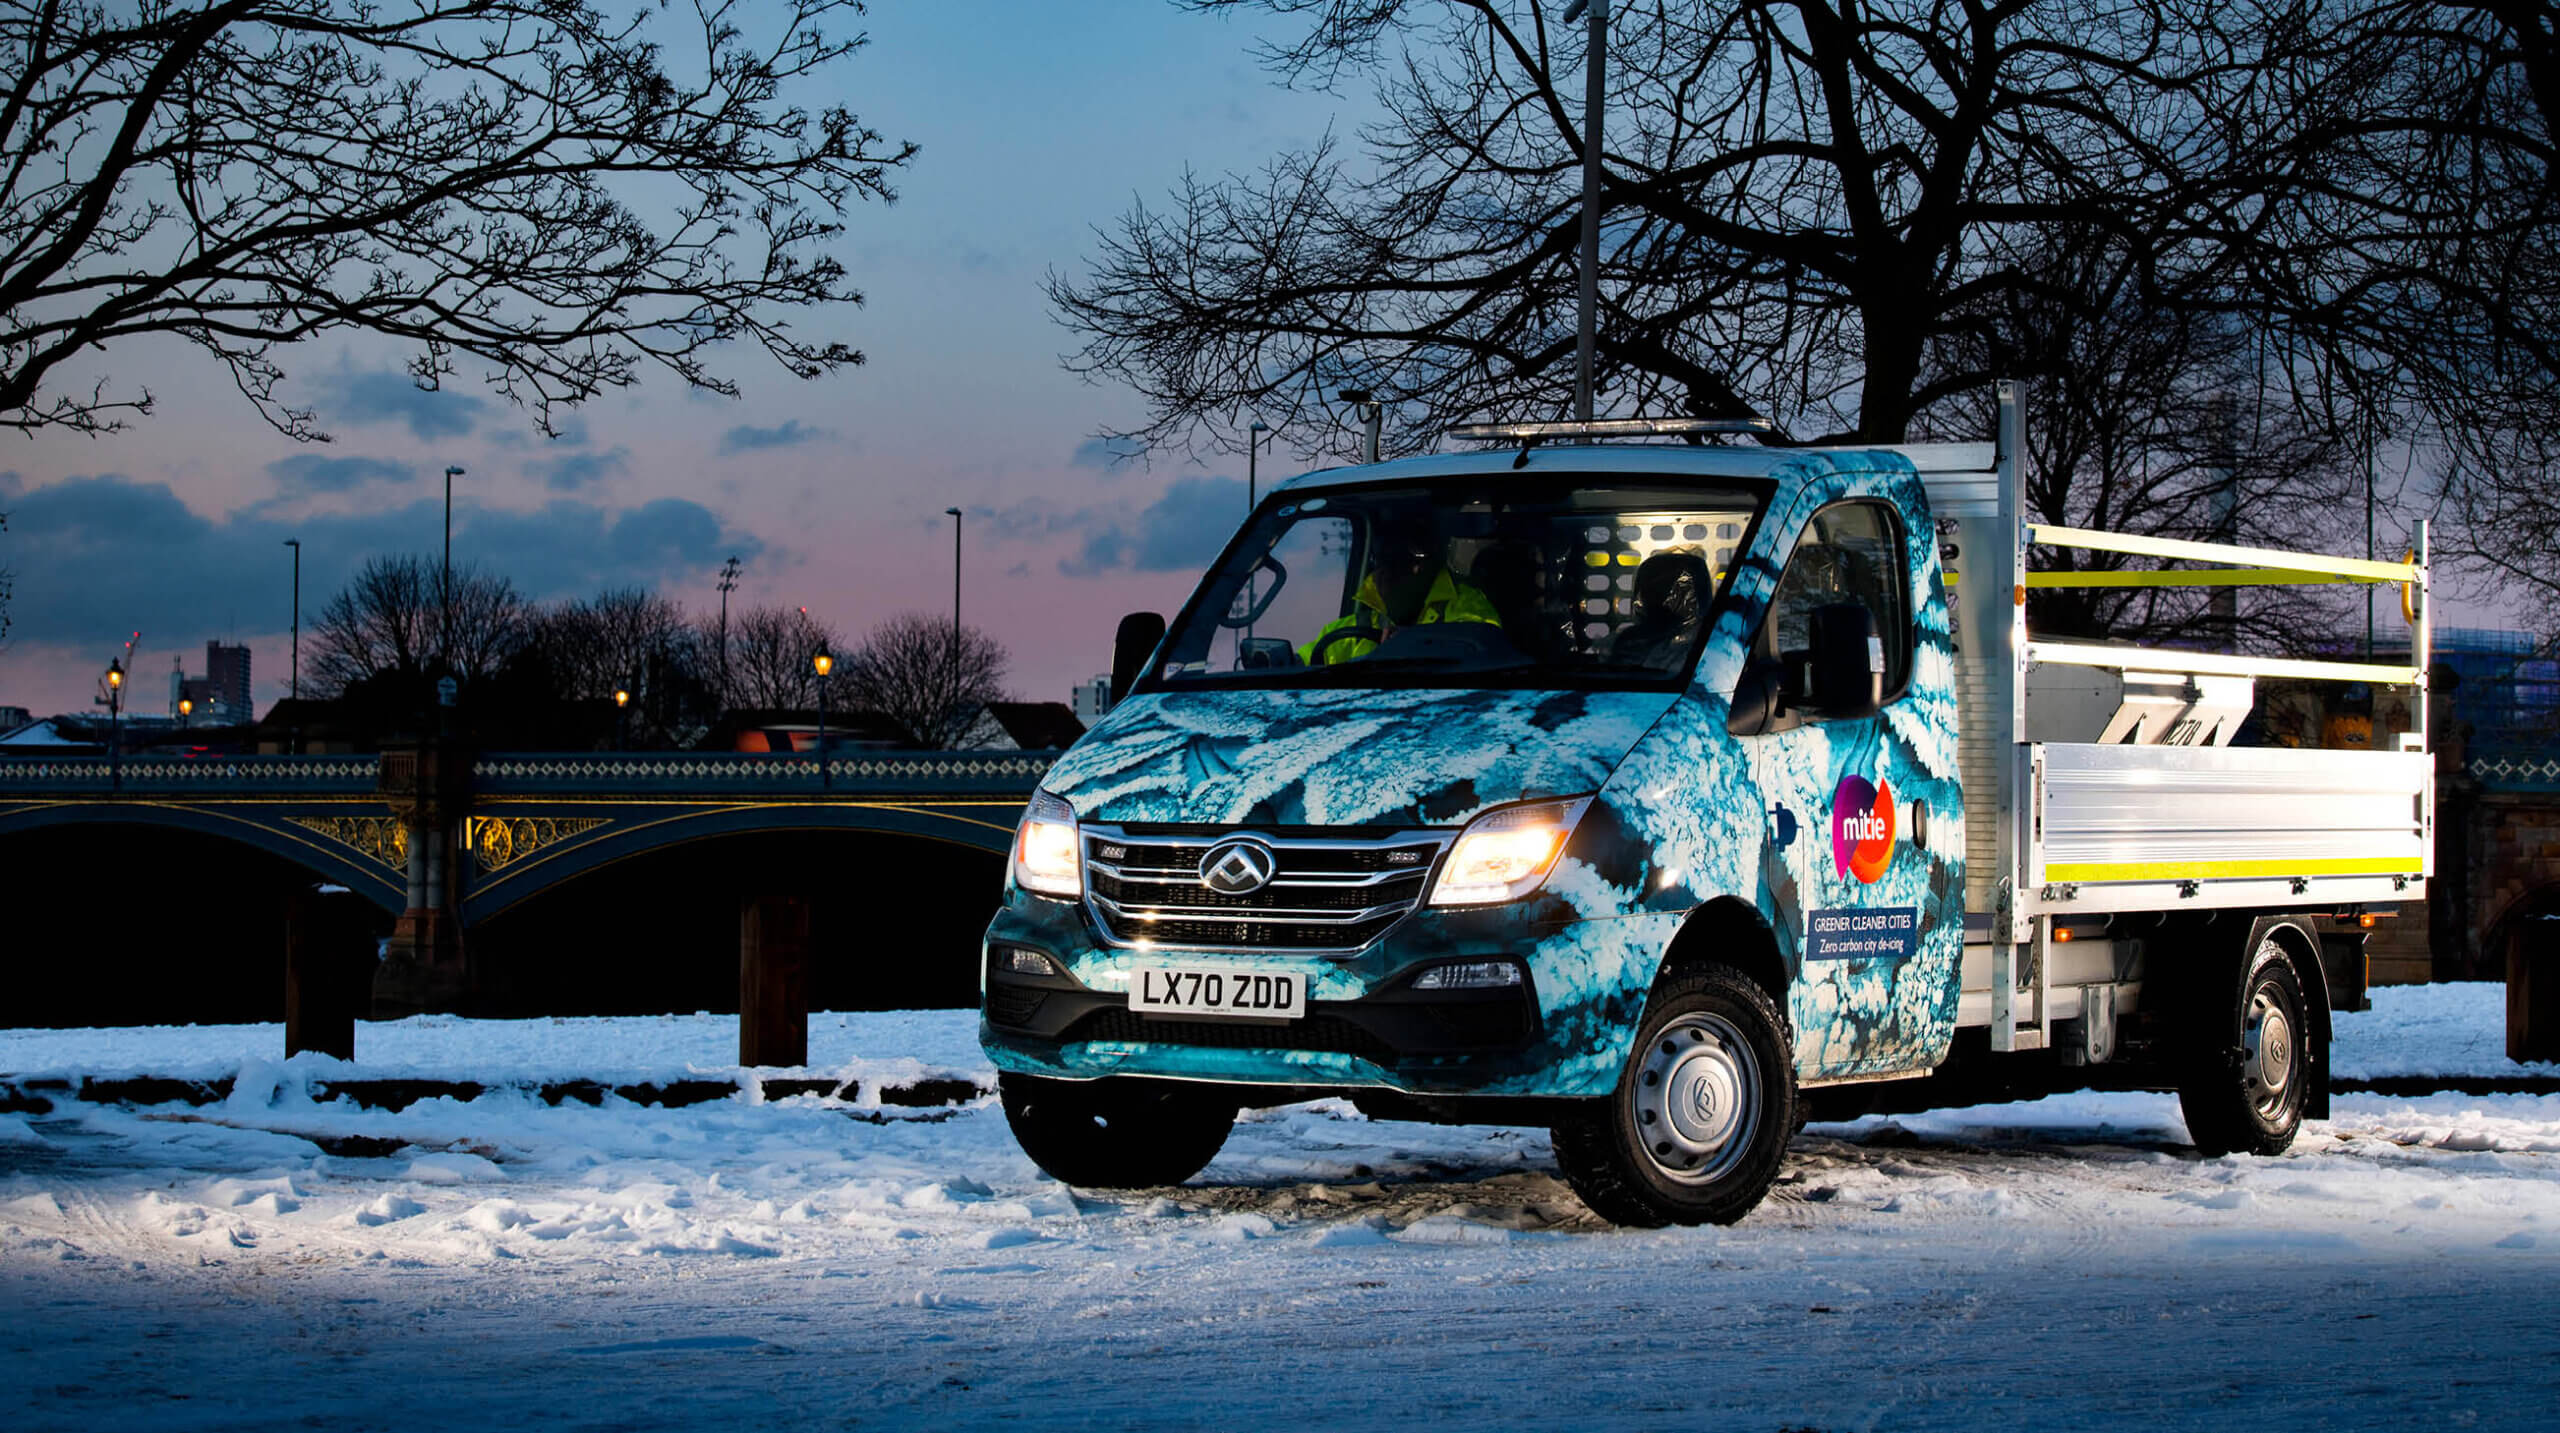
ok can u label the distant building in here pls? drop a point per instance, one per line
(1092, 699)
(221, 695)
(12, 718)
(226, 673)
(54, 736)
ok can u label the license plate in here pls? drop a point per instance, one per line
(1201, 990)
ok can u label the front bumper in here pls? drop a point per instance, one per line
(1366, 1025)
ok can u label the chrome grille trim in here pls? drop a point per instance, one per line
(1157, 864)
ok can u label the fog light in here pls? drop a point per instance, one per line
(1014, 960)
(1481, 975)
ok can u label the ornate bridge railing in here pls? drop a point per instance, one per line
(686, 774)
(654, 773)
(210, 776)
(2528, 768)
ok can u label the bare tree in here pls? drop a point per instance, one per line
(636, 642)
(7, 587)
(391, 621)
(1809, 208)
(2164, 418)
(769, 652)
(912, 667)
(562, 193)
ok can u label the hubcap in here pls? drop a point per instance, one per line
(2270, 1063)
(1697, 1099)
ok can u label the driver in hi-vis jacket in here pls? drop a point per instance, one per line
(1409, 584)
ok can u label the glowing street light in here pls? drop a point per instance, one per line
(186, 709)
(115, 707)
(822, 662)
(621, 711)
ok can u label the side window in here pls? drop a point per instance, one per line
(1850, 552)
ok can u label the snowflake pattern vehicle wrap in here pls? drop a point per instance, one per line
(1864, 902)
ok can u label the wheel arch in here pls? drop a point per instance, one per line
(1729, 931)
(2299, 937)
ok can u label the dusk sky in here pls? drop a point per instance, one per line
(1038, 121)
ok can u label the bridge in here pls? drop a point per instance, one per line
(442, 839)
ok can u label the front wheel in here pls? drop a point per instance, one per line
(1700, 1119)
(2247, 1097)
(1116, 1133)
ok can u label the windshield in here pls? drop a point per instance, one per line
(1568, 583)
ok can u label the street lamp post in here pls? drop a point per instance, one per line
(1252, 447)
(296, 544)
(951, 706)
(823, 661)
(445, 582)
(728, 584)
(1252, 499)
(186, 711)
(115, 738)
(621, 711)
(294, 743)
(1593, 101)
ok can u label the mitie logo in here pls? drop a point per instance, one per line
(1862, 828)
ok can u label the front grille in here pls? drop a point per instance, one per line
(1329, 1034)
(1325, 893)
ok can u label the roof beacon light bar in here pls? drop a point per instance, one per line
(1532, 433)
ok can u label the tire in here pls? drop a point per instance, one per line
(1700, 1119)
(1116, 1133)
(2247, 1070)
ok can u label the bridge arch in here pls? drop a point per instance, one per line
(329, 861)
(632, 833)
(894, 922)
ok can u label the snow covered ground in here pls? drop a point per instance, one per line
(811, 1263)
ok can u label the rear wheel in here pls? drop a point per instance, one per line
(1116, 1133)
(2247, 1074)
(1700, 1119)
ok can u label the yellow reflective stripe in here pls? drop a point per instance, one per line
(2225, 870)
(2203, 577)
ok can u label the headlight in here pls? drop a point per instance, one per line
(1504, 855)
(1046, 854)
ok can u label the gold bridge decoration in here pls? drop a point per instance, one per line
(380, 838)
(497, 840)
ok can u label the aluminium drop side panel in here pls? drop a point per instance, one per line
(2133, 828)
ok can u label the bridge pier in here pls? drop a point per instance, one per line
(328, 970)
(773, 980)
(424, 969)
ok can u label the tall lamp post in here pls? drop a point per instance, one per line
(186, 712)
(115, 708)
(1252, 499)
(1252, 448)
(294, 744)
(823, 662)
(1593, 101)
(621, 711)
(445, 581)
(296, 544)
(951, 706)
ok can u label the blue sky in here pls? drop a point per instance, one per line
(1037, 121)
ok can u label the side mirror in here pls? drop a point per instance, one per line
(1841, 676)
(1759, 699)
(1139, 635)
